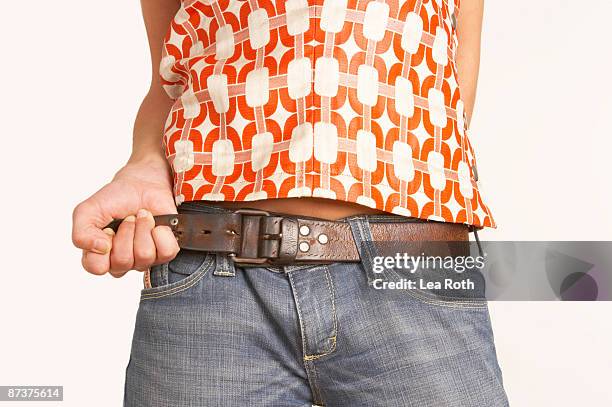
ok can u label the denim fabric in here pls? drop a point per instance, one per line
(211, 334)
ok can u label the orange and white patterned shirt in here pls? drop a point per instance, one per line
(353, 100)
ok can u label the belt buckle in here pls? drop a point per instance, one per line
(280, 229)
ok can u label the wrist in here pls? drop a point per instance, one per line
(152, 168)
(153, 157)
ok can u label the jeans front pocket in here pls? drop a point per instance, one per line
(443, 286)
(178, 275)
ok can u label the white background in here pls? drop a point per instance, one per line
(73, 74)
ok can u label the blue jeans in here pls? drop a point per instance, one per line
(211, 334)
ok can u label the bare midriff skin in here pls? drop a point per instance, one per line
(311, 207)
(143, 187)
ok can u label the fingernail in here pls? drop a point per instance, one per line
(142, 213)
(130, 218)
(109, 232)
(101, 246)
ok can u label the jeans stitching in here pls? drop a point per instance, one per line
(313, 376)
(225, 268)
(451, 302)
(361, 227)
(183, 285)
(163, 276)
(320, 355)
(332, 296)
(365, 238)
(318, 397)
(297, 307)
(334, 337)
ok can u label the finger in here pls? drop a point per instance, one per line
(144, 247)
(85, 234)
(122, 252)
(96, 263)
(165, 243)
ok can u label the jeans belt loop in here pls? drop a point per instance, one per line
(224, 267)
(360, 228)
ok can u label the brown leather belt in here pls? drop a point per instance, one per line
(257, 237)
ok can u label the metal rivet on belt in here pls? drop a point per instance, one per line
(304, 246)
(322, 238)
(304, 231)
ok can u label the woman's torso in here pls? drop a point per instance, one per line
(356, 102)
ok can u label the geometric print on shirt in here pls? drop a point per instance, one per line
(340, 99)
